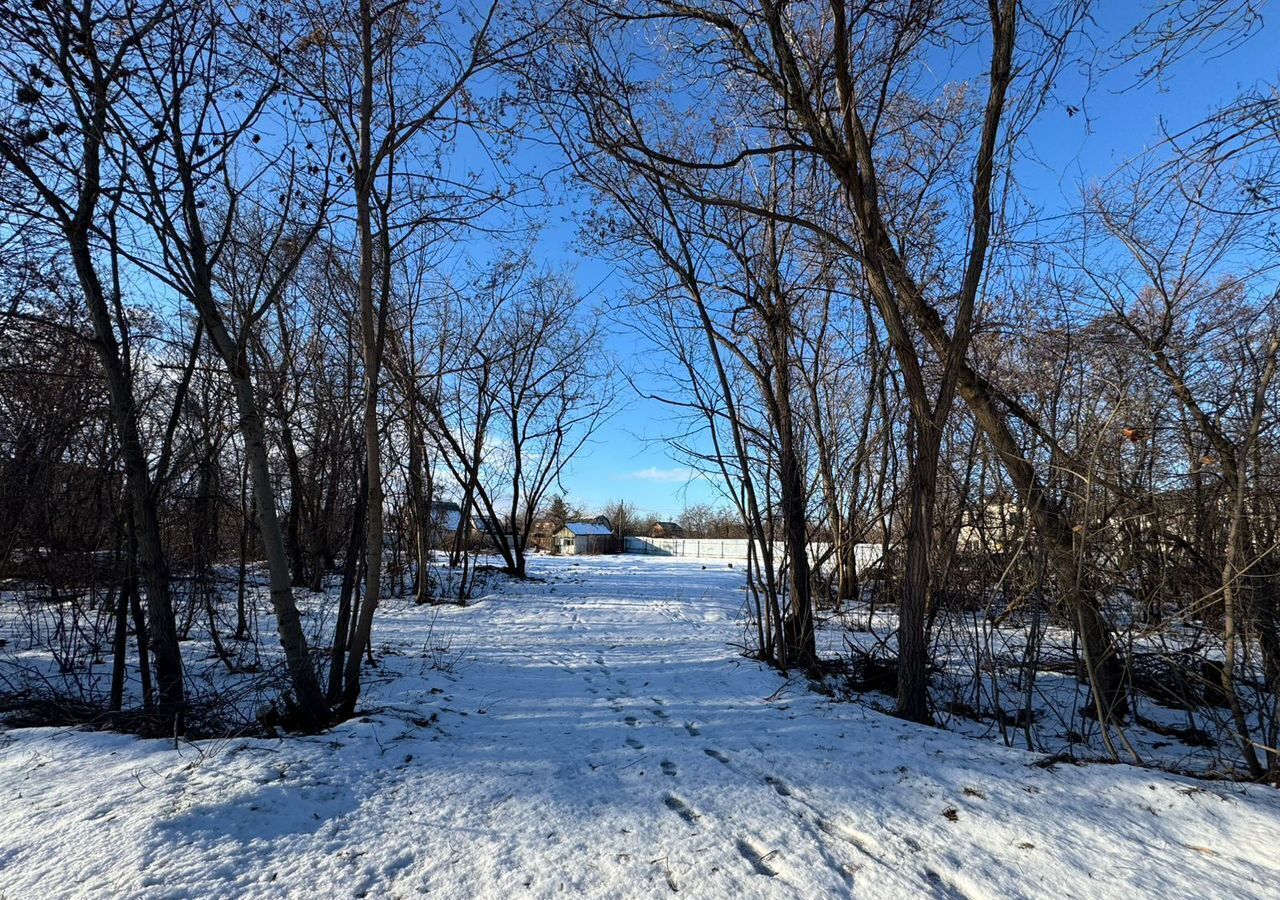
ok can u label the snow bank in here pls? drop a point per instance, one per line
(598, 735)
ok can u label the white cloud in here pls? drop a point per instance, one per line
(668, 476)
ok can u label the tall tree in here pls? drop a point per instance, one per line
(68, 67)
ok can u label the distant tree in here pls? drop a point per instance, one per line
(557, 512)
(624, 517)
(725, 522)
(697, 520)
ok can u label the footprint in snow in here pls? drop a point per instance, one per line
(660, 713)
(632, 721)
(716, 755)
(944, 885)
(848, 835)
(783, 789)
(634, 744)
(758, 859)
(395, 865)
(693, 729)
(680, 808)
(669, 768)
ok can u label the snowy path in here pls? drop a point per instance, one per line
(597, 735)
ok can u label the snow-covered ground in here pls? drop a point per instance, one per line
(986, 685)
(598, 734)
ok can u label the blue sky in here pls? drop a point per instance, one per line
(1119, 119)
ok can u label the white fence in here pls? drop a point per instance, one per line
(733, 549)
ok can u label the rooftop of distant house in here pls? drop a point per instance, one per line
(582, 529)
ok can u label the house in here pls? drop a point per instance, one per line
(582, 538)
(446, 517)
(994, 527)
(666, 530)
(447, 525)
(543, 535)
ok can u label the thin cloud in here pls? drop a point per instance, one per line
(668, 476)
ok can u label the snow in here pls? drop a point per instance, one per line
(980, 687)
(597, 733)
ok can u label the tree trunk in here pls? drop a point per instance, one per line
(420, 507)
(311, 709)
(913, 614)
(130, 588)
(802, 649)
(371, 346)
(119, 646)
(350, 572)
(1230, 586)
(145, 520)
(246, 526)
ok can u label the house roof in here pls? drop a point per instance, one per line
(666, 526)
(583, 529)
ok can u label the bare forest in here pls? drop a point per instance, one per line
(283, 345)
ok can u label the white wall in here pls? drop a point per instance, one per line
(731, 549)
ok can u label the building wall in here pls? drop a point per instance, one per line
(584, 544)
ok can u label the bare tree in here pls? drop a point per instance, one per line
(68, 67)
(390, 84)
(1187, 316)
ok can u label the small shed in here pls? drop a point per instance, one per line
(582, 538)
(666, 530)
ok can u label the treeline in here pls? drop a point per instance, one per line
(240, 323)
(698, 520)
(870, 330)
(247, 317)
